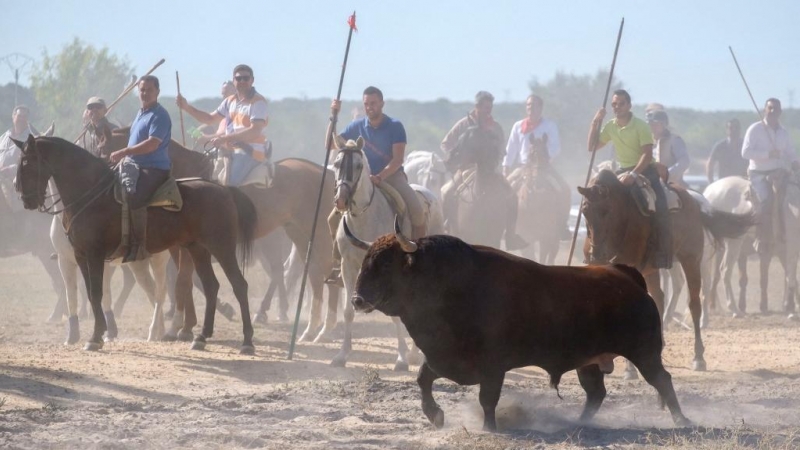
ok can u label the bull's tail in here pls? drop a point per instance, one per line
(247, 220)
(633, 273)
(725, 225)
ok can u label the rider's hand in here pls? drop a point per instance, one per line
(376, 179)
(627, 179)
(118, 155)
(181, 102)
(336, 106)
(218, 141)
(599, 116)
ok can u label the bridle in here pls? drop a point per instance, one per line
(346, 178)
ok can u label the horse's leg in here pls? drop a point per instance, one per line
(224, 308)
(676, 286)
(227, 260)
(401, 365)
(57, 282)
(185, 317)
(691, 269)
(69, 273)
(158, 263)
(765, 257)
(331, 317)
(202, 264)
(742, 263)
(349, 278)
(172, 275)
(788, 259)
(717, 269)
(111, 322)
(128, 281)
(141, 272)
(733, 248)
(315, 315)
(266, 303)
(92, 270)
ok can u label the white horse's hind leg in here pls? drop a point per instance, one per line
(111, 322)
(733, 247)
(156, 291)
(69, 272)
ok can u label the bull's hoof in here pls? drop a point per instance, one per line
(73, 331)
(401, 366)
(199, 343)
(185, 336)
(260, 319)
(247, 350)
(338, 361)
(682, 422)
(699, 365)
(227, 310)
(93, 346)
(438, 420)
(169, 337)
(630, 375)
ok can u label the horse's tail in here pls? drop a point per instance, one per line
(247, 220)
(724, 225)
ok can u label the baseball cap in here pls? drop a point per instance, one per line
(96, 101)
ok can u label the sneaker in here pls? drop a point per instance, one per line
(515, 242)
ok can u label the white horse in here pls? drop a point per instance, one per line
(156, 291)
(368, 215)
(426, 169)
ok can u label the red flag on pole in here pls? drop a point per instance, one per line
(352, 21)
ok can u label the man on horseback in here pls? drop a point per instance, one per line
(633, 145)
(769, 148)
(98, 127)
(523, 133)
(669, 149)
(145, 165)
(479, 120)
(244, 140)
(727, 153)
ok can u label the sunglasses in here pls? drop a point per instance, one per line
(242, 78)
(93, 107)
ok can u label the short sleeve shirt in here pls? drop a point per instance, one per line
(240, 114)
(152, 122)
(378, 141)
(628, 140)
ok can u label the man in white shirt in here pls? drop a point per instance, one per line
(10, 153)
(769, 148)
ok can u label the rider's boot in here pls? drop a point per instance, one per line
(138, 247)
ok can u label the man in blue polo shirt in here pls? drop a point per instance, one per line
(145, 163)
(384, 147)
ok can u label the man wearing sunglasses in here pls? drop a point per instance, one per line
(98, 127)
(246, 110)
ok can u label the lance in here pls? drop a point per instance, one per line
(351, 21)
(593, 144)
(121, 96)
(752, 99)
(180, 110)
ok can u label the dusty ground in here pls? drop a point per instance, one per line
(135, 394)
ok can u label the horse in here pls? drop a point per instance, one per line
(369, 215)
(478, 211)
(214, 221)
(543, 205)
(426, 169)
(619, 233)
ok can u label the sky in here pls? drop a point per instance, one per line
(672, 52)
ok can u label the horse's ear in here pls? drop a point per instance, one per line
(19, 144)
(49, 132)
(360, 142)
(338, 142)
(31, 142)
(586, 192)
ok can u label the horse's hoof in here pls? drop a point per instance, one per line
(338, 361)
(630, 375)
(304, 337)
(227, 310)
(438, 420)
(169, 337)
(699, 365)
(322, 337)
(185, 336)
(247, 350)
(401, 366)
(198, 345)
(73, 331)
(260, 319)
(93, 346)
(111, 326)
(793, 317)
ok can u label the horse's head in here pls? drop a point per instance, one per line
(476, 146)
(606, 207)
(33, 173)
(537, 151)
(350, 167)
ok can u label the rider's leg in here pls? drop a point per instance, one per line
(149, 181)
(763, 190)
(661, 221)
(399, 181)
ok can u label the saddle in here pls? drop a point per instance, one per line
(645, 197)
(397, 203)
(167, 196)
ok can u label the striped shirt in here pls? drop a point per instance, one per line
(241, 113)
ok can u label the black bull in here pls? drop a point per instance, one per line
(477, 312)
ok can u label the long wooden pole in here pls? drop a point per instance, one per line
(121, 96)
(328, 143)
(593, 143)
(180, 110)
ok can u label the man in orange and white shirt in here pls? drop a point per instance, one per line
(246, 110)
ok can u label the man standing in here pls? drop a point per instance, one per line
(480, 117)
(98, 127)
(769, 148)
(10, 153)
(727, 154)
(145, 164)
(633, 145)
(669, 150)
(243, 140)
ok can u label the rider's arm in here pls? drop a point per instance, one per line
(603, 139)
(451, 138)
(645, 159)
(245, 134)
(147, 146)
(553, 141)
(398, 155)
(513, 147)
(681, 156)
(211, 118)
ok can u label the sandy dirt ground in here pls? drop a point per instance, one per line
(136, 394)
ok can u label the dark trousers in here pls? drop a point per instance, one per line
(150, 179)
(661, 223)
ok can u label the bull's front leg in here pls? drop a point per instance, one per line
(489, 395)
(425, 379)
(591, 379)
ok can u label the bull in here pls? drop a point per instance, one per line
(477, 312)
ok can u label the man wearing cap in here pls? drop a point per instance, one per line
(246, 110)
(145, 164)
(98, 127)
(480, 118)
(633, 145)
(727, 154)
(669, 149)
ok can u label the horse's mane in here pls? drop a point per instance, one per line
(64, 146)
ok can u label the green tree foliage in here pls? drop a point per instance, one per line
(64, 81)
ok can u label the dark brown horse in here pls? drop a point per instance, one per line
(618, 233)
(213, 222)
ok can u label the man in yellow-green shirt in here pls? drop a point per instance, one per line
(633, 144)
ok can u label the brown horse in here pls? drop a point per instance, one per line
(618, 233)
(214, 220)
(543, 206)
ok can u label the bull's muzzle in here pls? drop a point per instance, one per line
(360, 304)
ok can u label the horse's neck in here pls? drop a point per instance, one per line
(377, 218)
(73, 177)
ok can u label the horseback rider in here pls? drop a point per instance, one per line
(243, 141)
(633, 145)
(669, 149)
(98, 127)
(384, 147)
(479, 120)
(768, 146)
(727, 153)
(145, 164)
(523, 133)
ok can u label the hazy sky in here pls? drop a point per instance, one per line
(672, 52)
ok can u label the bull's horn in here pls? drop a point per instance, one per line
(358, 243)
(406, 244)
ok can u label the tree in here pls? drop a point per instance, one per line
(63, 82)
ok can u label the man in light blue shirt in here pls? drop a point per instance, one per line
(669, 148)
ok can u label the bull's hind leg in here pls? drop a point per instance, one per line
(657, 376)
(691, 269)
(591, 379)
(202, 264)
(489, 395)
(425, 379)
